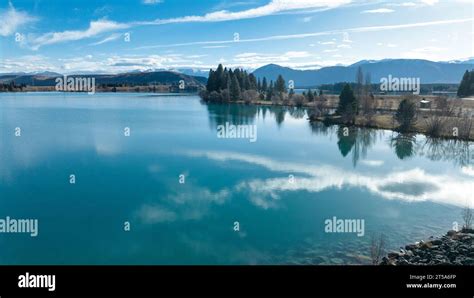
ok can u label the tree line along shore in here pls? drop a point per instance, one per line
(173, 88)
(435, 116)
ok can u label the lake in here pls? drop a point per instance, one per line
(173, 192)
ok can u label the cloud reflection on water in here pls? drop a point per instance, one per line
(409, 185)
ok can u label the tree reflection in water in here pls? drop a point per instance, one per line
(354, 140)
(297, 112)
(404, 145)
(234, 114)
(459, 152)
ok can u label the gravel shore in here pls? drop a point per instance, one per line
(454, 248)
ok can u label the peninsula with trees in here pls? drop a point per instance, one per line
(359, 103)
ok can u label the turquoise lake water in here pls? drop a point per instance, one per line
(404, 187)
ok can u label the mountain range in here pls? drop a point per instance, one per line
(429, 72)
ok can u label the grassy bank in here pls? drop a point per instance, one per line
(423, 126)
(384, 115)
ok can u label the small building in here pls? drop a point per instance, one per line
(425, 104)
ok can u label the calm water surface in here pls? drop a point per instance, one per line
(406, 187)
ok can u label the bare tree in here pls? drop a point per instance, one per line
(467, 217)
(377, 248)
(435, 125)
(444, 106)
(464, 125)
(368, 102)
(359, 87)
(249, 96)
(359, 82)
(298, 99)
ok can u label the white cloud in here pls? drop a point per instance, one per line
(214, 47)
(403, 4)
(429, 2)
(274, 7)
(379, 10)
(152, 2)
(407, 4)
(12, 20)
(408, 185)
(429, 53)
(102, 63)
(326, 42)
(428, 49)
(314, 34)
(95, 28)
(257, 59)
(344, 46)
(388, 45)
(111, 37)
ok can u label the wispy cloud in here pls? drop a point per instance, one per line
(429, 2)
(214, 47)
(101, 63)
(109, 38)
(152, 2)
(12, 20)
(102, 26)
(428, 52)
(327, 42)
(96, 28)
(274, 7)
(403, 4)
(316, 34)
(257, 59)
(388, 45)
(379, 10)
(344, 46)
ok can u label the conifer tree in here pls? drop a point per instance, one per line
(465, 85)
(235, 93)
(252, 82)
(280, 85)
(310, 95)
(264, 85)
(347, 101)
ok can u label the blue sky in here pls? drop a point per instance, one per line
(79, 36)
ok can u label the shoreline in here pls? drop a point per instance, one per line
(454, 248)
(386, 121)
(383, 121)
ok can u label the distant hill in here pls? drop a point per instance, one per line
(429, 72)
(194, 72)
(132, 78)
